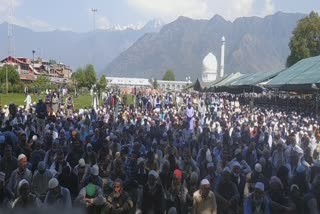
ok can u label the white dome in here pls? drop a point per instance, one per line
(210, 63)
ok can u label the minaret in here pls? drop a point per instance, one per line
(223, 40)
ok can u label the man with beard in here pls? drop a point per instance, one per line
(76, 152)
(67, 179)
(26, 199)
(257, 202)
(37, 155)
(58, 165)
(227, 193)
(213, 177)
(57, 196)
(119, 201)
(40, 180)
(90, 156)
(152, 199)
(204, 201)
(93, 178)
(91, 197)
(19, 174)
(177, 194)
(81, 171)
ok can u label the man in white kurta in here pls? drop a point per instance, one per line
(190, 115)
(28, 102)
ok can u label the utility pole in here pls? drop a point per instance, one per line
(94, 11)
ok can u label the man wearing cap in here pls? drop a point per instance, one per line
(177, 194)
(89, 155)
(93, 178)
(22, 172)
(40, 180)
(253, 177)
(26, 199)
(57, 196)
(119, 201)
(204, 201)
(81, 170)
(152, 196)
(245, 168)
(91, 197)
(257, 202)
(227, 193)
(213, 177)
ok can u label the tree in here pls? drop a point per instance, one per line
(42, 82)
(78, 78)
(13, 75)
(155, 84)
(305, 41)
(169, 76)
(102, 82)
(90, 76)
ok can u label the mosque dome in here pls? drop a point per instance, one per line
(210, 63)
(210, 67)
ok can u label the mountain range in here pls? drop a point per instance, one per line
(75, 49)
(253, 44)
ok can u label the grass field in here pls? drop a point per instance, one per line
(81, 101)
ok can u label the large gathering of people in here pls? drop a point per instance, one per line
(172, 153)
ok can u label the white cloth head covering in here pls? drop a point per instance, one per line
(258, 167)
(205, 182)
(22, 182)
(153, 173)
(21, 156)
(53, 183)
(140, 160)
(95, 170)
(82, 162)
(227, 169)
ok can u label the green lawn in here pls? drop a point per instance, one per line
(81, 101)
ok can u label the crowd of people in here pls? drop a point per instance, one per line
(162, 153)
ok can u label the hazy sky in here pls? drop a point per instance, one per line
(76, 15)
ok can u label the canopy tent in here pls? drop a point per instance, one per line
(221, 85)
(299, 77)
(251, 82)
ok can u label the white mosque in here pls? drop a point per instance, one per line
(210, 65)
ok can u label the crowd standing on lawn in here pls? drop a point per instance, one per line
(164, 153)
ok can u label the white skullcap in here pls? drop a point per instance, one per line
(82, 163)
(259, 186)
(294, 186)
(34, 137)
(258, 167)
(21, 156)
(153, 173)
(140, 160)
(53, 183)
(95, 170)
(205, 182)
(22, 182)
(210, 164)
(227, 169)
(237, 151)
